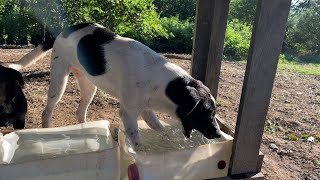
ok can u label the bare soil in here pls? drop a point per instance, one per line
(294, 110)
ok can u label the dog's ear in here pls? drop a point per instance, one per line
(183, 92)
(16, 75)
(192, 99)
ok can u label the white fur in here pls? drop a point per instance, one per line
(27, 60)
(136, 75)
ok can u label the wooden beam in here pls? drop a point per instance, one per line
(219, 25)
(255, 176)
(6, 131)
(267, 38)
(201, 38)
(260, 161)
(224, 126)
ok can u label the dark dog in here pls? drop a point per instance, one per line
(13, 104)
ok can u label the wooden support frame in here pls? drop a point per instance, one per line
(255, 176)
(219, 25)
(266, 43)
(208, 41)
(201, 38)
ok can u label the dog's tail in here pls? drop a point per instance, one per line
(32, 57)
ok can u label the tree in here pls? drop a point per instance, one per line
(301, 5)
(36, 20)
(237, 40)
(304, 32)
(243, 10)
(184, 9)
(132, 18)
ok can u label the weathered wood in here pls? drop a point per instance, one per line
(255, 176)
(265, 48)
(224, 126)
(6, 131)
(218, 31)
(260, 161)
(201, 38)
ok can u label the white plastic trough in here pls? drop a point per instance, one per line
(195, 163)
(51, 154)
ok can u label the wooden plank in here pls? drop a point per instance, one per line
(255, 176)
(260, 161)
(6, 131)
(219, 25)
(201, 38)
(265, 48)
(224, 126)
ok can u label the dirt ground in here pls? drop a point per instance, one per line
(294, 110)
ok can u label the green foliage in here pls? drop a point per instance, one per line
(303, 31)
(237, 41)
(300, 5)
(184, 9)
(180, 36)
(294, 63)
(293, 137)
(304, 136)
(165, 25)
(239, 28)
(303, 35)
(13, 25)
(138, 20)
(271, 127)
(244, 10)
(40, 19)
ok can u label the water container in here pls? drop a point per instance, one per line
(169, 156)
(78, 152)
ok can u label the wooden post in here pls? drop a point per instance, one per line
(267, 38)
(218, 31)
(201, 38)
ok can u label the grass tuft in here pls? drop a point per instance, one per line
(295, 64)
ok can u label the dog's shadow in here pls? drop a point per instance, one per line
(41, 76)
(38, 75)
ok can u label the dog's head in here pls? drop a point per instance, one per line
(10, 80)
(196, 107)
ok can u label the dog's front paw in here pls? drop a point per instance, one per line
(135, 142)
(134, 136)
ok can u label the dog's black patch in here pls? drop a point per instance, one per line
(66, 32)
(177, 91)
(12, 98)
(195, 108)
(90, 53)
(17, 116)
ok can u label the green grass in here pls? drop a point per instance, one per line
(308, 69)
(297, 65)
(304, 65)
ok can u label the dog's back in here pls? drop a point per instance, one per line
(113, 62)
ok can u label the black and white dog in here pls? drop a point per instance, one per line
(140, 78)
(13, 104)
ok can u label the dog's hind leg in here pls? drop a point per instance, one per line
(58, 81)
(152, 120)
(87, 91)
